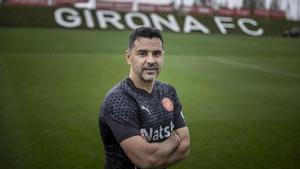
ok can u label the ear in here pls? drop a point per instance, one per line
(127, 57)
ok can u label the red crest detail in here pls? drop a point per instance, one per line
(167, 104)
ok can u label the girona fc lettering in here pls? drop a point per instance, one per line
(103, 19)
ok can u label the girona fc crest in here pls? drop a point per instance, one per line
(167, 104)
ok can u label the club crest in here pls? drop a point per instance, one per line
(167, 104)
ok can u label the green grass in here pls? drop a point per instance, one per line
(240, 97)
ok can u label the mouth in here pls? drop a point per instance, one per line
(150, 70)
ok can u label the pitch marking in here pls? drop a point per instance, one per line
(254, 67)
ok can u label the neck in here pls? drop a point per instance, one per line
(139, 83)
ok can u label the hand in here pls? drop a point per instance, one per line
(175, 137)
(142, 135)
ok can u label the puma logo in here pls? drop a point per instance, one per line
(145, 108)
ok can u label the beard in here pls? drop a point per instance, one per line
(149, 74)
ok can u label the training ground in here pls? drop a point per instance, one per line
(240, 96)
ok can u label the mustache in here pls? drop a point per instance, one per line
(151, 67)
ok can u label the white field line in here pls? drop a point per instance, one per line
(254, 67)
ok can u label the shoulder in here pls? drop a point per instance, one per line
(118, 102)
(117, 96)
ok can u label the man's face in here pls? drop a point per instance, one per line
(146, 58)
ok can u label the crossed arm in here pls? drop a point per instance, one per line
(158, 155)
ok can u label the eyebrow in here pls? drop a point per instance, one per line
(142, 50)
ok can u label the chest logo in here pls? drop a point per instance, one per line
(145, 108)
(167, 104)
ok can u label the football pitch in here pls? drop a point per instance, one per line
(240, 96)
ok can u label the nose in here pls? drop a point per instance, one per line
(150, 59)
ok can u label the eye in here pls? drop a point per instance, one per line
(142, 54)
(157, 53)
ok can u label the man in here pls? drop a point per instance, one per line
(141, 121)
